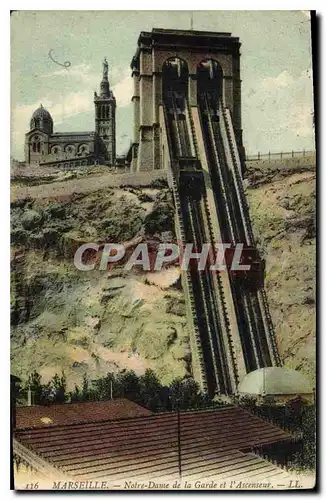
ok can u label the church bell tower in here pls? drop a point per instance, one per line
(105, 106)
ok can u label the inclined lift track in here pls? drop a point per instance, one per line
(225, 213)
(191, 201)
(249, 316)
(212, 321)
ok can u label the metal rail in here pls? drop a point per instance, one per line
(217, 312)
(261, 294)
(207, 319)
(221, 307)
(228, 217)
(258, 347)
(187, 283)
(252, 303)
(213, 338)
(207, 302)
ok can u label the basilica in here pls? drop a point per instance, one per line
(44, 147)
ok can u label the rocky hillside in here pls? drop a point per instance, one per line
(103, 321)
(97, 321)
(282, 200)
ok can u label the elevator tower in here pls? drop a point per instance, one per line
(193, 48)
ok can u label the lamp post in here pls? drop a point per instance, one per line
(176, 397)
(179, 437)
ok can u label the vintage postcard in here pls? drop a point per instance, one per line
(163, 250)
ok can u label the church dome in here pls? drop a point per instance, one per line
(275, 380)
(42, 113)
(42, 120)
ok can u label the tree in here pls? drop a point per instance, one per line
(59, 385)
(35, 386)
(48, 395)
(76, 394)
(184, 393)
(128, 383)
(85, 389)
(104, 386)
(151, 391)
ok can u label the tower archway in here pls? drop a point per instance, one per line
(175, 77)
(210, 83)
(175, 74)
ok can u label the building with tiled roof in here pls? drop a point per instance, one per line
(77, 413)
(226, 442)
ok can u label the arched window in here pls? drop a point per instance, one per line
(175, 75)
(210, 82)
(175, 79)
(36, 144)
(70, 149)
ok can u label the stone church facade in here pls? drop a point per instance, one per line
(44, 147)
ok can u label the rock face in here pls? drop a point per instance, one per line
(97, 322)
(282, 199)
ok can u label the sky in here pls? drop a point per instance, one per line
(276, 70)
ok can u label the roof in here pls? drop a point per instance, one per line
(213, 443)
(41, 113)
(275, 380)
(191, 40)
(75, 136)
(74, 133)
(190, 32)
(72, 413)
(72, 137)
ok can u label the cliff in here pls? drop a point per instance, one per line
(103, 321)
(282, 199)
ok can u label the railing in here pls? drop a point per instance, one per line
(280, 155)
(271, 339)
(180, 230)
(37, 463)
(232, 153)
(188, 289)
(222, 308)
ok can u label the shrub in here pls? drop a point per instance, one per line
(31, 219)
(19, 237)
(55, 210)
(160, 219)
(159, 183)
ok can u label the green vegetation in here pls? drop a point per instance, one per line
(162, 216)
(145, 390)
(42, 394)
(299, 418)
(296, 416)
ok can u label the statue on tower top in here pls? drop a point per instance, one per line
(105, 68)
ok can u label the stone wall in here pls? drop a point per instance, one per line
(70, 163)
(86, 185)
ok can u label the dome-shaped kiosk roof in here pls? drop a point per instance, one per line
(275, 380)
